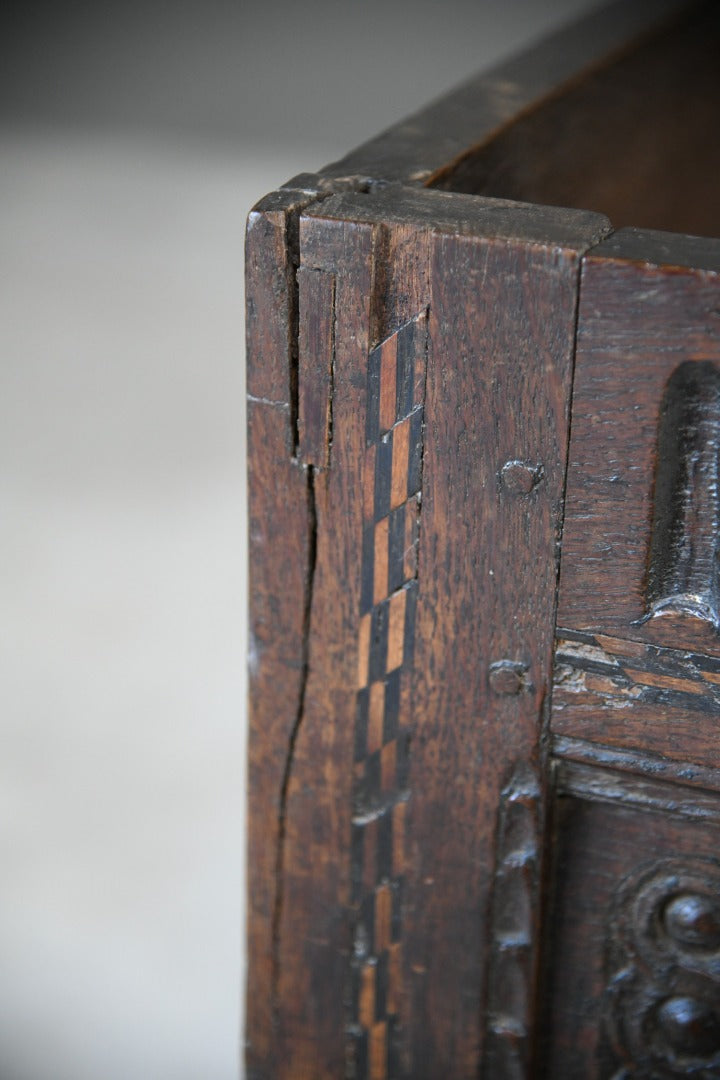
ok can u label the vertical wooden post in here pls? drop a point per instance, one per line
(435, 365)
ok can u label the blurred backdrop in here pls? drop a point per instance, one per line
(134, 137)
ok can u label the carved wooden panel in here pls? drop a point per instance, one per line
(633, 948)
(661, 1008)
(633, 943)
(638, 649)
(633, 387)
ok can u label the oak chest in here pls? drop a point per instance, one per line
(484, 439)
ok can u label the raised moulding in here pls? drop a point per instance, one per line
(683, 564)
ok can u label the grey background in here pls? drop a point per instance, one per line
(133, 140)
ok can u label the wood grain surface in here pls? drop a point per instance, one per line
(421, 697)
(628, 675)
(603, 845)
(471, 767)
(501, 329)
(280, 541)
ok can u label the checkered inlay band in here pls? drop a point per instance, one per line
(391, 511)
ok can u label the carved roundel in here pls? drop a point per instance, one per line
(662, 997)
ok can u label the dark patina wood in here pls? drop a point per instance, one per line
(636, 667)
(633, 137)
(280, 526)
(638, 657)
(483, 831)
(502, 313)
(617, 962)
(434, 142)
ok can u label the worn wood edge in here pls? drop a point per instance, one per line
(313, 939)
(634, 669)
(598, 784)
(668, 251)
(640, 763)
(271, 260)
(469, 215)
(281, 496)
(430, 143)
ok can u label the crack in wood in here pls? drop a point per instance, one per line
(292, 741)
